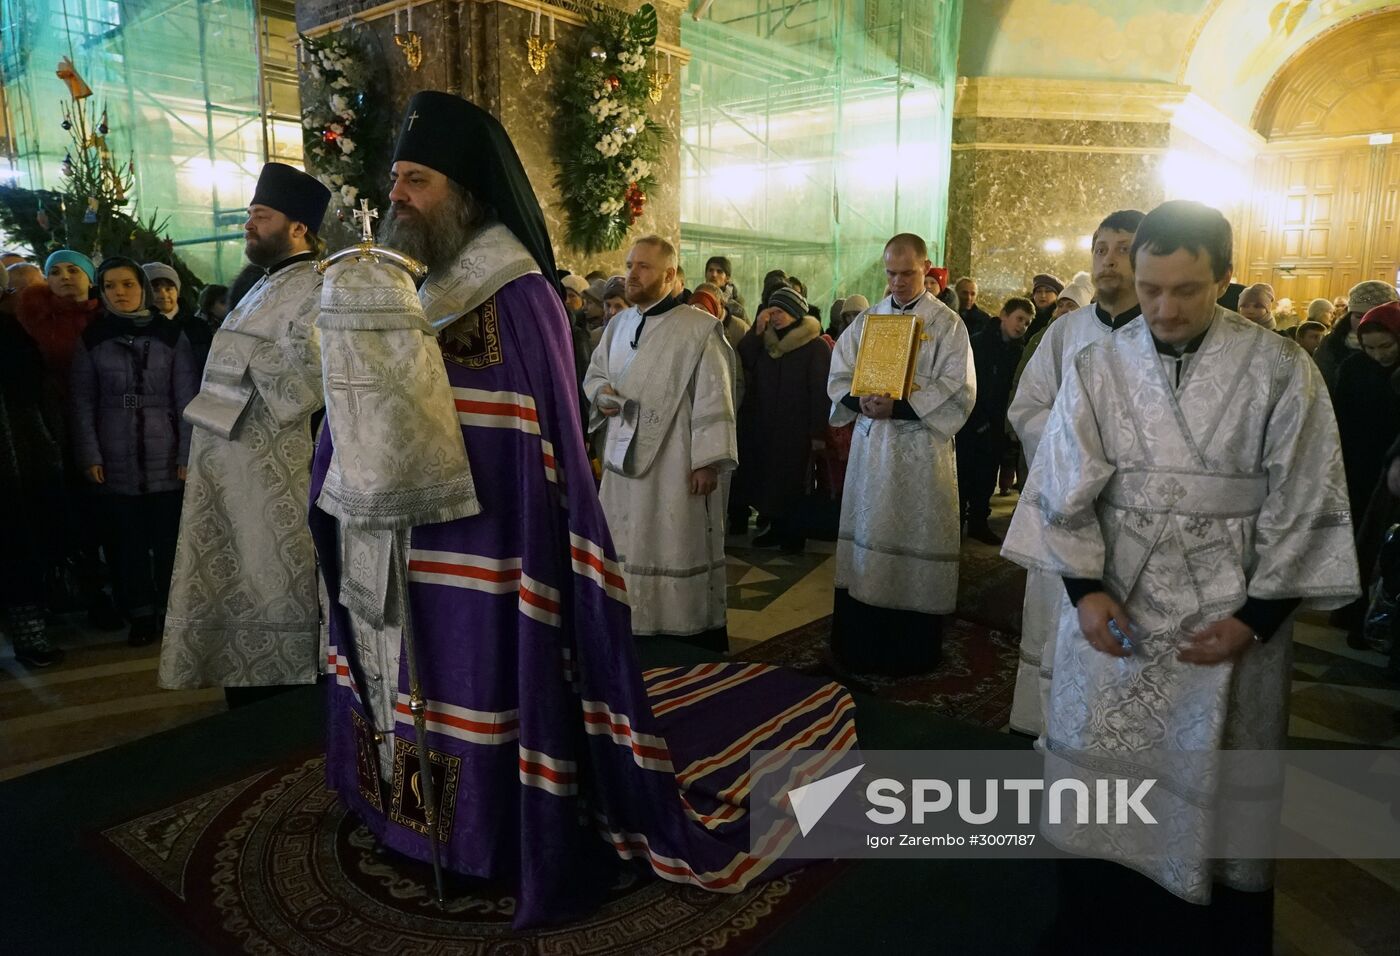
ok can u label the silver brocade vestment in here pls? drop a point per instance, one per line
(243, 605)
(1029, 411)
(1184, 500)
(899, 513)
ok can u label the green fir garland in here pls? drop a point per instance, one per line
(609, 147)
(343, 125)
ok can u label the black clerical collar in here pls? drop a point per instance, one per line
(290, 260)
(1116, 322)
(665, 305)
(912, 302)
(1188, 349)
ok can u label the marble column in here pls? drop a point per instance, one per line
(476, 48)
(1036, 166)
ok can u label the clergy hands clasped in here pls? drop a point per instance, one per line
(876, 406)
(1217, 643)
(1098, 615)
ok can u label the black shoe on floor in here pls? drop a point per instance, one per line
(769, 539)
(38, 653)
(982, 532)
(144, 630)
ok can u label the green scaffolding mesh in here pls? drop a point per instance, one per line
(812, 131)
(181, 83)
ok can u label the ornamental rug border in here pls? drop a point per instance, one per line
(273, 863)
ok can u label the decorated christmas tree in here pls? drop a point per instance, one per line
(90, 213)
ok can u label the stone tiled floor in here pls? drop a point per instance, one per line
(106, 694)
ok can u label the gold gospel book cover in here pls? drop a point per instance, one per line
(889, 344)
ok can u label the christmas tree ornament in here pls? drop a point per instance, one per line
(69, 75)
(90, 216)
(67, 124)
(102, 126)
(613, 83)
(330, 136)
(599, 54)
(67, 166)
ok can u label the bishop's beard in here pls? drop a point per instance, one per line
(435, 237)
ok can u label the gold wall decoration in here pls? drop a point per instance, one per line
(658, 81)
(537, 48)
(410, 42)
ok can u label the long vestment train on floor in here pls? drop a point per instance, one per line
(549, 741)
(1183, 497)
(899, 539)
(243, 605)
(679, 390)
(1030, 409)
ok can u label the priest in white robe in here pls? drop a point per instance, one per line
(1115, 305)
(1189, 489)
(244, 612)
(897, 555)
(660, 382)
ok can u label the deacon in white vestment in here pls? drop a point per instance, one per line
(1115, 305)
(897, 555)
(1189, 488)
(244, 608)
(660, 382)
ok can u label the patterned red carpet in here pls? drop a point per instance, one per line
(275, 864)
(974, 683)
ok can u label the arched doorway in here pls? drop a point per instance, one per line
(1326, 204)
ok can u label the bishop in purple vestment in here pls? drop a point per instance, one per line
(550, 747)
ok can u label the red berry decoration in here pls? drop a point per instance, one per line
(614, 83)
(330, 136)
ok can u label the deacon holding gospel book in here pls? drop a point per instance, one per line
(897, 558)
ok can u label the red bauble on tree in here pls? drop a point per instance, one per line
(636, 201)
(330, 136)
(614, 83)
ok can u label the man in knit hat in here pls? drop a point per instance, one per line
(1342, 342)
(243, 611)
(667, 447)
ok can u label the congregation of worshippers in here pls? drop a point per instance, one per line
(1190, 460)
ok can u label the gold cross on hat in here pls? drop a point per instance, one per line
(364, 216)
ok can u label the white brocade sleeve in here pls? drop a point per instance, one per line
(1035, 393)
(1056, 526)
(595, 378)
(713, 436)
(946, 380)
(287, 370)
(1303, 536)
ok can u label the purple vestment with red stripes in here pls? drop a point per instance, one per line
(551, 742)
